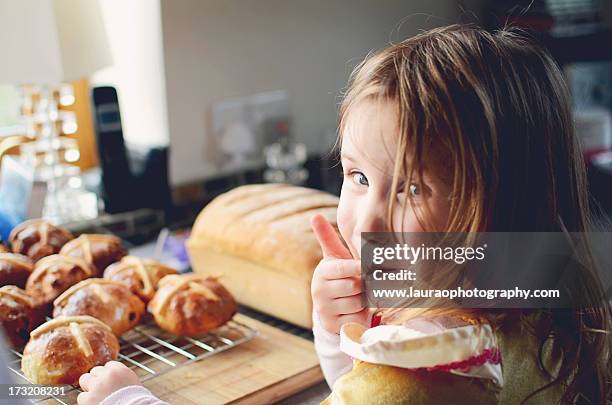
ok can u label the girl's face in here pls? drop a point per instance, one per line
(367, 156)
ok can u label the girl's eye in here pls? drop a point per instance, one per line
(414, 189)
(360, 179)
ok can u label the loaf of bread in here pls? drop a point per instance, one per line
(259, 238)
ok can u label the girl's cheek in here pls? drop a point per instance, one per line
(406, 221)
(437, 214)
(345, 215)
(410, 222)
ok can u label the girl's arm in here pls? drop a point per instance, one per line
(132, 395)
(334, 363)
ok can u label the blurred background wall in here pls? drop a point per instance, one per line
(219, 49)
(135, 37)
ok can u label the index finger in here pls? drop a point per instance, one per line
(115, 364)
(330, 243)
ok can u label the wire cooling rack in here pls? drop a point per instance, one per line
(150, 352)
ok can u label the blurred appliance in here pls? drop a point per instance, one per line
(132, 177)
(600, 178)
(241, 128)
(594, 130)
(285, 158)
(575, 17)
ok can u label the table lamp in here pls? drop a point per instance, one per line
(44, 44)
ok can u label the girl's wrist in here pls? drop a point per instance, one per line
(126, 394)
(318, 329)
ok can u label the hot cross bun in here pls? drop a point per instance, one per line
(191, 304)
(37, 238)
(19, 314)
(54, 274)
(140, 275)
(98, 250)
(109, 301)
(15, 269)
(64, 348)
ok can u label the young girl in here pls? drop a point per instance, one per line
(456, 130)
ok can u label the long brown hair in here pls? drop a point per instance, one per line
(491, 110)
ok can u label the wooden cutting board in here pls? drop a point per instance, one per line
(272, 366)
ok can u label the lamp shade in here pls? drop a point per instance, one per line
(51, 41)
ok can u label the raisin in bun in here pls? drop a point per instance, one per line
(37, 238)
(54, 274)
(19, 314)
(191, 304)
(64, 348)
(98, 250)
(109, 301)
(15, 269)
(140, 275)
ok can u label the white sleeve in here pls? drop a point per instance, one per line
(333, 361)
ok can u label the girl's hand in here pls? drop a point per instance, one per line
(101, 381)
(336, 282)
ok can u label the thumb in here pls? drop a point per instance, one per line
(331, 245)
